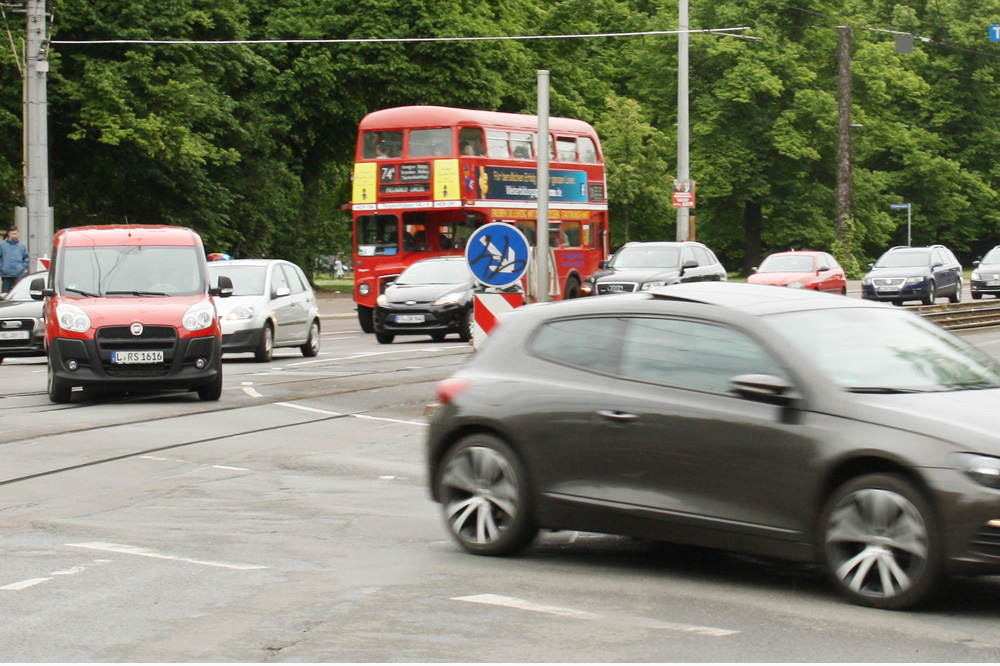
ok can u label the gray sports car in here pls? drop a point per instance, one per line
(785, 423)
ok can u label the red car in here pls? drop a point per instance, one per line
(801, 270)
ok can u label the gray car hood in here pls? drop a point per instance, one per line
(21, 308)
(423, 293)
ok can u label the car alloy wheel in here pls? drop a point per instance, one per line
(931, 294)
(265, 349)
(311, 347)
(482, 487)
(879, 542)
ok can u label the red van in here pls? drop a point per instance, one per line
(130, 309)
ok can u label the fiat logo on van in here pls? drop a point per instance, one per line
(136, 329)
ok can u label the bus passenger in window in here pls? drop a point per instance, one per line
(381, 150)
(468, 149)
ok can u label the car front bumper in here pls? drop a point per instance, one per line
(422, 319)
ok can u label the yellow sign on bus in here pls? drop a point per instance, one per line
(446, 181)
(365, 187)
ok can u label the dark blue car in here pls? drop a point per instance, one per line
(914, 274)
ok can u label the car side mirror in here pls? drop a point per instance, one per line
(937, 265)
(690, 263)
(764, 388)
(871, 265)
(282, 291)
(753, 270)
(37, 289)
(975, 263)
(602, 264)
(225, 288)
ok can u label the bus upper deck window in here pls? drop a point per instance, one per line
(376, 145)
(470, 141)
(521, 146)
(430, 142)
(566, 149)
(587, 151)
(496, 144)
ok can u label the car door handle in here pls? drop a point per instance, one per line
(614, 415)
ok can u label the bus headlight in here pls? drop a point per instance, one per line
(364, 288)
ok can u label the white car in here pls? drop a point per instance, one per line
(272, 306)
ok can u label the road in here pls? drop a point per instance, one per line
(290, 522)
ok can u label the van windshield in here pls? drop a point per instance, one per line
(131, 270)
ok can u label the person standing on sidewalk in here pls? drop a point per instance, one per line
(13, 260)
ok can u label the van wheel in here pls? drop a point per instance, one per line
(212, 392)
(311, 347)
(265, 348)
(58, 392)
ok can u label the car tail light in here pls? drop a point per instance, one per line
(448, 389)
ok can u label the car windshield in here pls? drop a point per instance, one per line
(787, 263)
(132, 270)
(436, 272)
(247, 280)
(885, 350)
(992, 257)
(904, 259)
(646, 257)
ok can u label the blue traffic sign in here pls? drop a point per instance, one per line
(899, 206)
(995, 33)
(497, 254)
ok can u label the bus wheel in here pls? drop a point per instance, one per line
(572, 288)
(366, 319)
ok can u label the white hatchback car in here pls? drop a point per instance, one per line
(272, 306)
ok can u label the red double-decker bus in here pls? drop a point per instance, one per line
(425, 177)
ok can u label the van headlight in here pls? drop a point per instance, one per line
(984, 470)
(199, 316)
(72, 318)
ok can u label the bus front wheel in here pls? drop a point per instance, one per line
(366, 319)
(572, 288)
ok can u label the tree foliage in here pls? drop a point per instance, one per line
(252, 144)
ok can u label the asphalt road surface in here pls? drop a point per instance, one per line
(290, 522)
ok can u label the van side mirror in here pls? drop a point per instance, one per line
(225, 288)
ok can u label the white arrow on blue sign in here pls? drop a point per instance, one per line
(995, 33)
(497, 254)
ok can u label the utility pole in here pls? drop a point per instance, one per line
(35, 219)
(542, 224)
(683, 121)
(843, 193)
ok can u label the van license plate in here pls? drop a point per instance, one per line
(14, 335)
(120, 358)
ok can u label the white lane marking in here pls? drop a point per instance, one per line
(521, 604)
(147, 552)
(308, 409)
(69, 572)
(235, 469)
(382, 418)
(252, 392)
(24, 584)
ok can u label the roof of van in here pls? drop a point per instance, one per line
(126, 234)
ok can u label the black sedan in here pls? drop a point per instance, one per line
(783, 423)
(22, 321)
(431, 297)
(644, 266)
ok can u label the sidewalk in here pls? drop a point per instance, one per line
(335, 306)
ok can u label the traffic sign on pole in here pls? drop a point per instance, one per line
(497, 254)
(902, 206)
(995, 33)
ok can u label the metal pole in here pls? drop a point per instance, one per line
(36, 149)
(683, 147)
(542, 235)
(843, 191)
(909, 212)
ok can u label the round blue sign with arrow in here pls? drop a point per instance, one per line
(497, 254)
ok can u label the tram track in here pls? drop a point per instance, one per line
(385, 380)
(962, 316)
